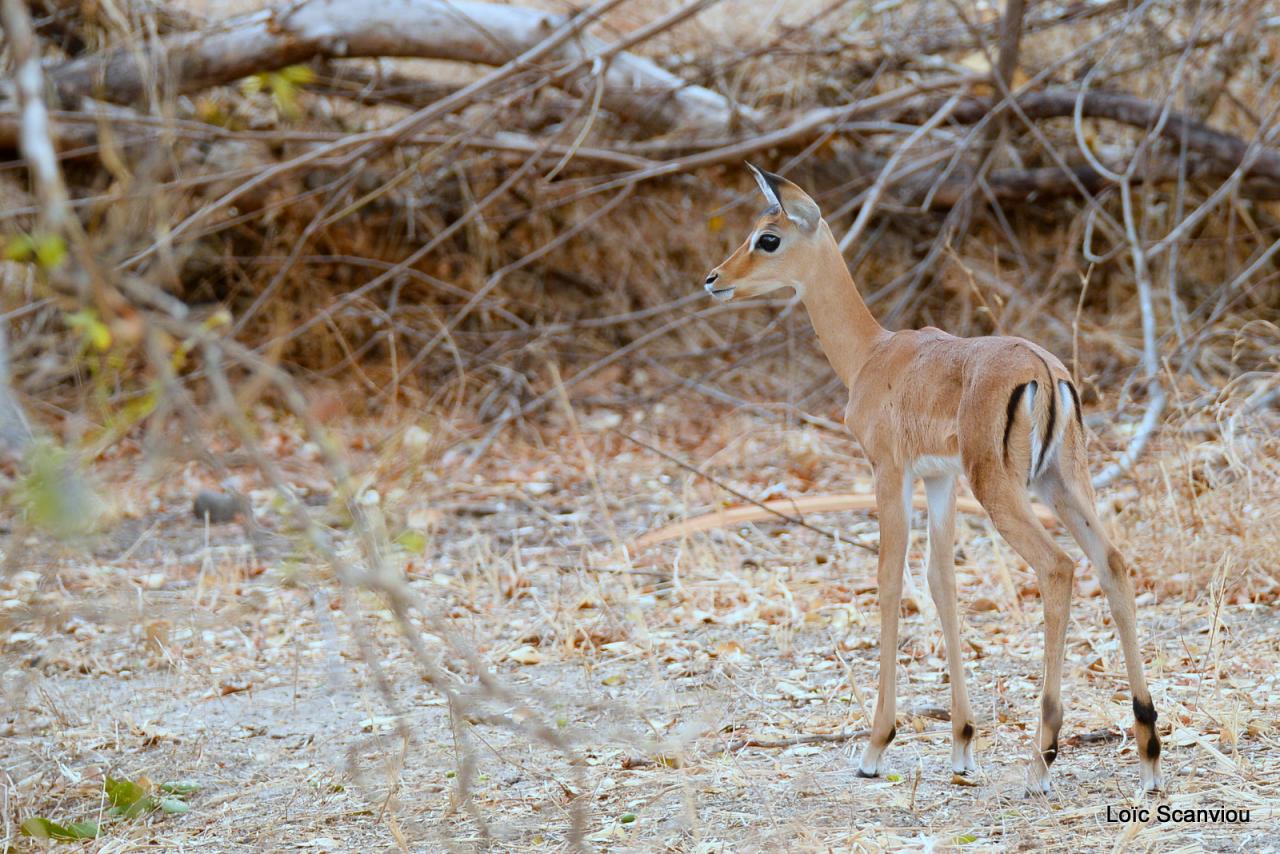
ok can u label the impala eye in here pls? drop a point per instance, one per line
(768, 242)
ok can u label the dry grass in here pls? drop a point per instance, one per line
(1015, 270)
(172, 652)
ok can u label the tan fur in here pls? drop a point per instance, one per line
(920, 396)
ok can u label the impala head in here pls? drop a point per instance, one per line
(774, 254)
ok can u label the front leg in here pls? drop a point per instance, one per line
(941, 492)
(893, 492)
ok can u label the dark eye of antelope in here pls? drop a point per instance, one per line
(768, 242)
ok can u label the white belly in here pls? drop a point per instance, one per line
(937, 466)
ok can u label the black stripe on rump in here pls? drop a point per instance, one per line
(1009, 412)
(1053, 416)
(1075, 398)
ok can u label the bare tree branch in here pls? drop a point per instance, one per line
(1059, 102)
(35, 135)
(1010, 40)
(433, 29)
(15, 430)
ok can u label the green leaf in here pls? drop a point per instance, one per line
(51, 250)
(286, 103)
(412, 541)
(298, 75)
(174, 806)
(54, 495)
(123, 793)
(893, 778)
(179, 788)
(966, 839)
(139, 408)
(254, 83)
(21, 248)
(95, 333)
(47, 250)
(627, 818)
(43, 828)
(84, 829)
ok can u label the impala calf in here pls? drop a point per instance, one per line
(922, 403)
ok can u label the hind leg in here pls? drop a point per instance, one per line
(1009, 506)
(1073, 502)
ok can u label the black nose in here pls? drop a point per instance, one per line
(712, 278)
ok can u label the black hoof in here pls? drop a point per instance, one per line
(867, 776)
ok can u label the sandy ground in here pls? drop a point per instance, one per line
(171, 652)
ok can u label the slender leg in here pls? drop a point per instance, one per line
(1075, 507)
(942, 585)
(892, 495)
(1010, 509)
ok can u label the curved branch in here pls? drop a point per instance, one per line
(1146, 429)
(1150, 347)
(427, 29)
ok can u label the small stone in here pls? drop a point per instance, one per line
(218, 507)
(415, 438)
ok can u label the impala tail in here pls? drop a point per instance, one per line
(1043, 418)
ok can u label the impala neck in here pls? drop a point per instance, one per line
(846, 329)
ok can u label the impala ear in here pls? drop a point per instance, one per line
(767, 187)
(793, 201)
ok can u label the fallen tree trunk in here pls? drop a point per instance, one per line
(483, 33)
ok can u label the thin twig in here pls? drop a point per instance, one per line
(736, 494)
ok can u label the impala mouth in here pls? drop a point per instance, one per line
(722, 294)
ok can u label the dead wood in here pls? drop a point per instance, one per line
(1058, 102)
(469, 32)
(812, 738)
(793, 509)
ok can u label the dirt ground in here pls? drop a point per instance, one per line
(166, 650)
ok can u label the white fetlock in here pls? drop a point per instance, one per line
(1038, 778)
(869, 764)
(1152, 779)
(962, 761)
